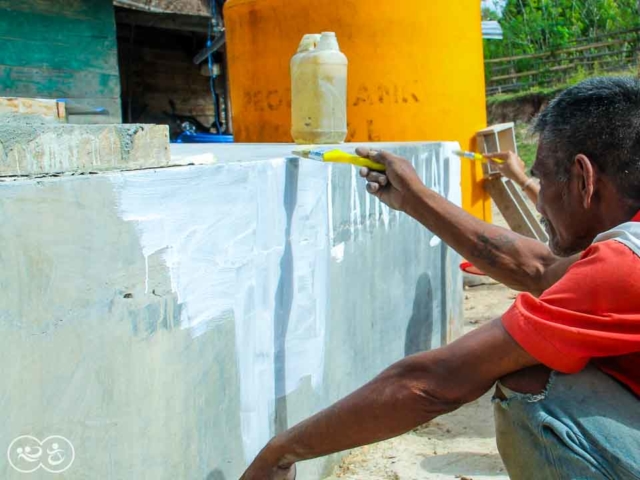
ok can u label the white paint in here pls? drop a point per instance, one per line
(311, 254)
(435, 168)
(330, 202)
(356, 213)
(436, 186)
(337, 252)
(204, 159)
(221, 234)
(367, 210)
(174, 217)
(385, 215)
(455, 173)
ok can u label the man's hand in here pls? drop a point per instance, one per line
(394, 186)
(512, 167)
(262, 468)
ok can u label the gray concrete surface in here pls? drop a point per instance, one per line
(167, 322)
(31, 145)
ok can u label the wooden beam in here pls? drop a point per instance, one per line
(169, 21)
(557, 52)
(514, 208)
(186, 7)
(37, 82)
(206, 52)
(34, 106)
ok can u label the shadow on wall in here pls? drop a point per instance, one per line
(420, 328)
(284, 299)
(216, 475)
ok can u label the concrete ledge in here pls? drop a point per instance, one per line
(32, 146)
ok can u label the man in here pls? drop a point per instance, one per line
(567, 363)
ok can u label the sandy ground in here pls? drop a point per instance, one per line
(460, 445)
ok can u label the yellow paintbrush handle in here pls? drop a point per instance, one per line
(338, 156)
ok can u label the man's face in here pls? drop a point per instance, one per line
(560, 205)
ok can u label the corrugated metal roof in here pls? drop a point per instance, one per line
(491, 30)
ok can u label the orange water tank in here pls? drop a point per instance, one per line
(416, 71)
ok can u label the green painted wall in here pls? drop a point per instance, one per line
(61, 49)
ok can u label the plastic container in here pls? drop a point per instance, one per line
(319, 91)
(416, 72)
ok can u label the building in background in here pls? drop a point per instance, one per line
(131, 62)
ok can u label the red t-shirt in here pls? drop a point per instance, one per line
(591, 314)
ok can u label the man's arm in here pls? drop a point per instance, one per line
(406, 395)
(519, 262)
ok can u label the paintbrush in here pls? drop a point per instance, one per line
(338, 156)
(475, 156)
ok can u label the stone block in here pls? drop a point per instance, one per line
(31, 146)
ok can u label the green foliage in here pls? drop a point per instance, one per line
(489, 14)
(532, 26)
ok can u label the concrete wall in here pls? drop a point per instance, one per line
(168, 322)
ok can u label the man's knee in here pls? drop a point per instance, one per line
(532, 380)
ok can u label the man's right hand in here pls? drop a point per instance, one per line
(397, 184)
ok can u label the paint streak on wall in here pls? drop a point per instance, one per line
(438, 169)
(248, 241)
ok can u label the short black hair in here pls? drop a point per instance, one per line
(599, 118)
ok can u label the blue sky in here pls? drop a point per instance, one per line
(494, 4)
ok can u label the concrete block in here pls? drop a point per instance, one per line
(32, 146)
(168, 322)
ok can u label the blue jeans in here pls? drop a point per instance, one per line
(583, 426)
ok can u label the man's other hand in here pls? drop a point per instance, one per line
(512, 167)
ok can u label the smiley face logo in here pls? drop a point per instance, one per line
(55, 454)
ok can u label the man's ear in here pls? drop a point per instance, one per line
(586, 178)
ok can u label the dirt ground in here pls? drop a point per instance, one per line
(460, 445)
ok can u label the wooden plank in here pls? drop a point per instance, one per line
(556, 52)
(178, 22)
(601, 62)
(62, 49)
(79, 9)
(33, 106)
(96, 55)
(532, 72)
(526, 211)
(48, 83)
(499, 127)
(606, 53)
(514, 208)
(38, 26)
(187, 7)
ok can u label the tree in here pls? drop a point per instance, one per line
(532, 26)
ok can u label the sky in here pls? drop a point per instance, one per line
(494, 4)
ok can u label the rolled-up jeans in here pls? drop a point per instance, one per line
(583, 426)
